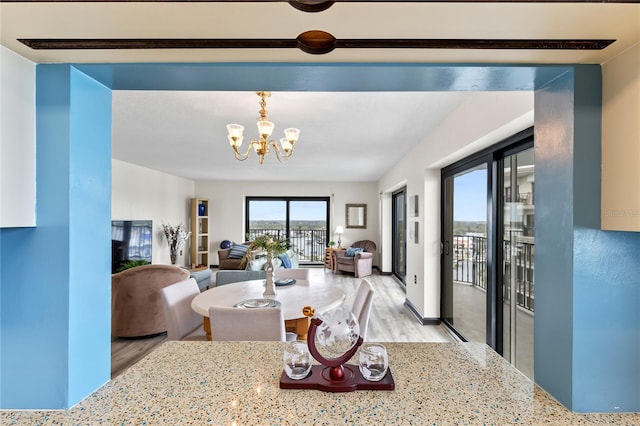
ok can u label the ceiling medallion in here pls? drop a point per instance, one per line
(311, 5)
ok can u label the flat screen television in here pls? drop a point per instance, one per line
(130, 240)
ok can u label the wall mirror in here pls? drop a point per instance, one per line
(356, 215)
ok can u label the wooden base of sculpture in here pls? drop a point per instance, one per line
(320, 379)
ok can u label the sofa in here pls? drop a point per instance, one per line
(203, 278)
(359, 263)
(136, 305)
(259, 260)
(233, 276)
(228, 276)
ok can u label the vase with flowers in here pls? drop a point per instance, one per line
(176, 238)
(273, 247)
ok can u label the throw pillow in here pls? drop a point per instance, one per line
(238, 251)
(286, 262)
(257, 264)
(351, 251)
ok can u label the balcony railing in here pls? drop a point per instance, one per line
(470, 266)
(308, 244)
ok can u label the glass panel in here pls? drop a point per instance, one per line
(302, 220)
(308, 229)
(267, 217)
(469, 253)
(518, 261)
(399, 235)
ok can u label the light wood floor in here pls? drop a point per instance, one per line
(390, 320)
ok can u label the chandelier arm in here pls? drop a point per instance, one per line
(279, 153)
(239, 155)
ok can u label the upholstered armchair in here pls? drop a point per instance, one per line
(136, 304)
(360, 263)
(227, 260)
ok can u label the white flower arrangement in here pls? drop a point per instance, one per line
(176, 238)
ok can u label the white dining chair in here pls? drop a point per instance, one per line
(246, 324)
(362, 306)
(183, 323)
(295, 273)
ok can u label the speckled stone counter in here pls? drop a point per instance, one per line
(237, 383)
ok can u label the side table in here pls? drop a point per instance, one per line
(328, 256)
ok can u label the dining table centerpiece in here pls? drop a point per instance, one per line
(176, 238)
(272, 247)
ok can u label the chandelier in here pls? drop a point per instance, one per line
(265, 128)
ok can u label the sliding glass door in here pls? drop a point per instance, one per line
(303, 220)
(465, 252)
(399, 230)
(488, 248)
(517, 260)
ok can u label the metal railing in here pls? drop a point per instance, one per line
(470, 266)
(470, 260)
(308, 244)
(524, 257)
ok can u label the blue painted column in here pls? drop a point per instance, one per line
(587, 322)
(55, 287)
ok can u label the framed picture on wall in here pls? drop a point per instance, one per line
(414, 232)
(414, 209)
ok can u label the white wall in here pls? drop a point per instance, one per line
(17, 141)
(482, 120)
(621, 142)
(227, 201)
(139, 193)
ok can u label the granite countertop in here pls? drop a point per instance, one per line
(237, 383)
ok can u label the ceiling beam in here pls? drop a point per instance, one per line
(313, 42)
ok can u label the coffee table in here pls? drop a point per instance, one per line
(293, 298)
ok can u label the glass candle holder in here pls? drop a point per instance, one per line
(297, 359)
(373, 361)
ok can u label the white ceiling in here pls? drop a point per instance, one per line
(344, 136)
(350, 20)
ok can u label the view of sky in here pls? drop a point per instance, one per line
(470, 202)
(470, 196)
(276, 210)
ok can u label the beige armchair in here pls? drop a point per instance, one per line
(361, 264)
(136, 305)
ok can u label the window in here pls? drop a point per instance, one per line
(303, 220)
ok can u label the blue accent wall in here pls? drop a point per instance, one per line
(55, 292)
(90, 236)
(55, 317)
(606, 322)
(587, 321)
(553, 149)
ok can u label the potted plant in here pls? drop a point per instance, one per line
(273, 247)
(132, 264)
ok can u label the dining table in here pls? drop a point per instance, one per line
(292, 297)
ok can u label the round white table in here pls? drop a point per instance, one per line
(293, 298)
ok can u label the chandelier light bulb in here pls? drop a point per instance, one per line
(235, 130)
(292, 134)
(235, 142)
(265, 128)
(286, 144)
